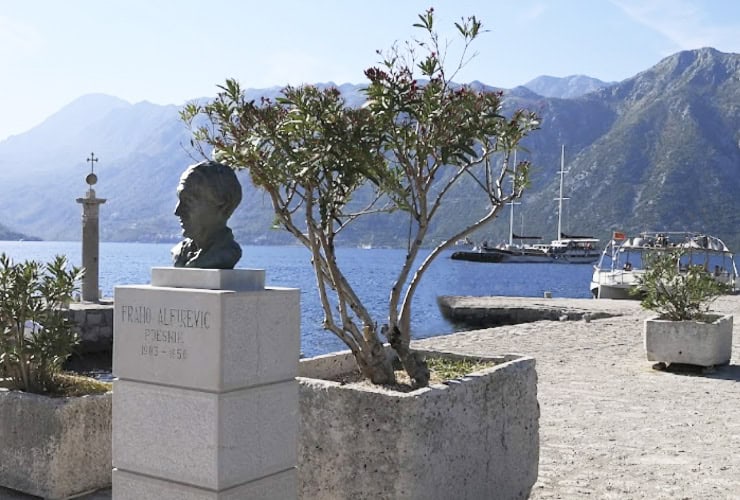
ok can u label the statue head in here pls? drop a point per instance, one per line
(208, 194)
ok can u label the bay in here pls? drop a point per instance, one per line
(370, 271)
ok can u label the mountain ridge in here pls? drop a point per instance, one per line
(567, 87)
(635, 150)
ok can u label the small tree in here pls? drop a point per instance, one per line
(677, 294)
(36, 336)
(410, 143)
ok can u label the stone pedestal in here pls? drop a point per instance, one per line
(90, 245)
(206, 402)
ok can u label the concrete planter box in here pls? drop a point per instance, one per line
(689, 342)
(472, 438)
(54, 448)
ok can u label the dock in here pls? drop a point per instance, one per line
(466, 311)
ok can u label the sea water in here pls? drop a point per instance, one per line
(370, 271)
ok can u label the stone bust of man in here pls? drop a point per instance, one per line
(208, 194)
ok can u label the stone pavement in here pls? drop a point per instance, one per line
(611, 427)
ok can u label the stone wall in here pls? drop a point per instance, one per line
(94, 325)
(475, 437)
(54, 447)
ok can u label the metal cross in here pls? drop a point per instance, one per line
(92, 161)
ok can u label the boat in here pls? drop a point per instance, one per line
(522, 252)
(477, 254)
(624, 260)
(575, 249)
(565, 249)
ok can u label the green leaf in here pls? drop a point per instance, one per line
(313, 155)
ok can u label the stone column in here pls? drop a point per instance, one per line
(90, 245)
(205, 406)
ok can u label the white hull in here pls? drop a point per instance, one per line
(541, 257)
(611, 292)
(614, 284)
(527, 259)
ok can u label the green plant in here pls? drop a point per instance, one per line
(676, 292)
(325, 164)
(71, 384)
(450, 369)
(36, 335)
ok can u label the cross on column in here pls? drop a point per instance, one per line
(92, 161)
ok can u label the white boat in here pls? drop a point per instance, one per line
(623, 260)
(521, 253)
(565, 250)
(575, 249)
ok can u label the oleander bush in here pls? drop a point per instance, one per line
(36, 336)
(326, 165)
(676, 292)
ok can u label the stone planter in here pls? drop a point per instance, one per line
(689, 342)
(477, 437)
(54, 448)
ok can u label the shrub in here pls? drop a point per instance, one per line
(36, 336)
(674, 293)
(325, 165)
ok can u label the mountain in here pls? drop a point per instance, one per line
(140, 151)
(7, 234)
(656, 151)
(63, 133)
(567, 87)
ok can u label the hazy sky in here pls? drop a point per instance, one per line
(168, 52)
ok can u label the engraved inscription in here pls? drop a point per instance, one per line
(136, 314)
(165, 330)
(156, 351)
(165, 336)
(184, 318)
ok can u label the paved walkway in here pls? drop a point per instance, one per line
(611, 427)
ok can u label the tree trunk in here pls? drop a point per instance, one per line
(412, 363)
(373, 361)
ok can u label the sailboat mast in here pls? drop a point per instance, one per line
(560, 198)
(511, 214)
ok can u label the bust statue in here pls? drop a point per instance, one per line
(208, 194)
